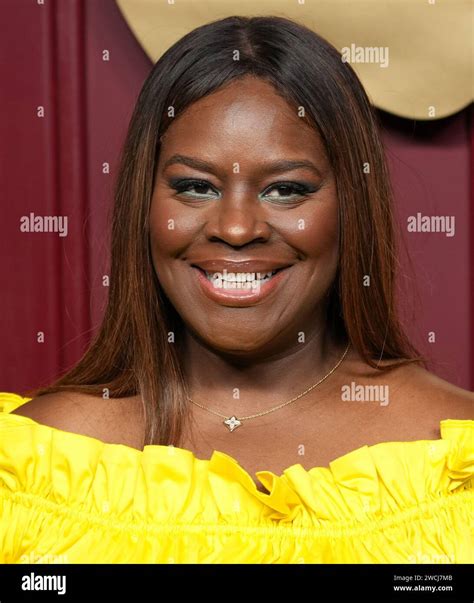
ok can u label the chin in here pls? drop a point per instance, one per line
(235, 343)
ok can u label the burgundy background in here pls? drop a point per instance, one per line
(51, 55)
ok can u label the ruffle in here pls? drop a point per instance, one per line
(380, 489)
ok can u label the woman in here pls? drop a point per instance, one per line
(250, 329)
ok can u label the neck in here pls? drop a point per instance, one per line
(240, 384)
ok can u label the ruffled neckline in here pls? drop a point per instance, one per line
(377, 479)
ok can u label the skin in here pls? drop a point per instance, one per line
(255, 348)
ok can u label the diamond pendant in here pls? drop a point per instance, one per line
(232, 423)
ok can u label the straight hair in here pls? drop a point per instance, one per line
(130, 353)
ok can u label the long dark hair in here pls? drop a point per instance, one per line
(130, 354)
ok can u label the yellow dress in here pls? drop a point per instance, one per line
(69, 498)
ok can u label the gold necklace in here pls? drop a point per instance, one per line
(233, 422)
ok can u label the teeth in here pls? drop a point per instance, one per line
(239, 280)
(240, 277)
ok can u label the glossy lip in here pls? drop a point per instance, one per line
(219, 265)
(238, 297)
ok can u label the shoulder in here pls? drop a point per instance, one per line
(417, 400)
(114, 421)
(417, 388)
(424, 399)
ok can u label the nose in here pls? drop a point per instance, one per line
(238, 221)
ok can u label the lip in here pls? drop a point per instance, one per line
(261, 265)
(239, 297)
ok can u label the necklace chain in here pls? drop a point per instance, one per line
(233, 422)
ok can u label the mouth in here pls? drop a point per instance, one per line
(238, 288)
(240, 280)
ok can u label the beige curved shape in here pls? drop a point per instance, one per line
(428, 43)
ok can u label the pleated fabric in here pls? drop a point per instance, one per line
(69, 498)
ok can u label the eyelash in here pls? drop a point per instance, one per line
(181, 186)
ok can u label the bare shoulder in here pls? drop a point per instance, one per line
(416, 400)
(432, 393)
(114, 420)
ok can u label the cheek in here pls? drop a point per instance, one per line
(171, 227)
(314, 231)
(166, 239)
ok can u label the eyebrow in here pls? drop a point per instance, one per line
(285, 165)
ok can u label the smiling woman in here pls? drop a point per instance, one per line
(252, 288)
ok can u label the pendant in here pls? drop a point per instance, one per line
(232, 423)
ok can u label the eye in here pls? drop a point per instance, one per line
(197, 189)
(287, 191)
